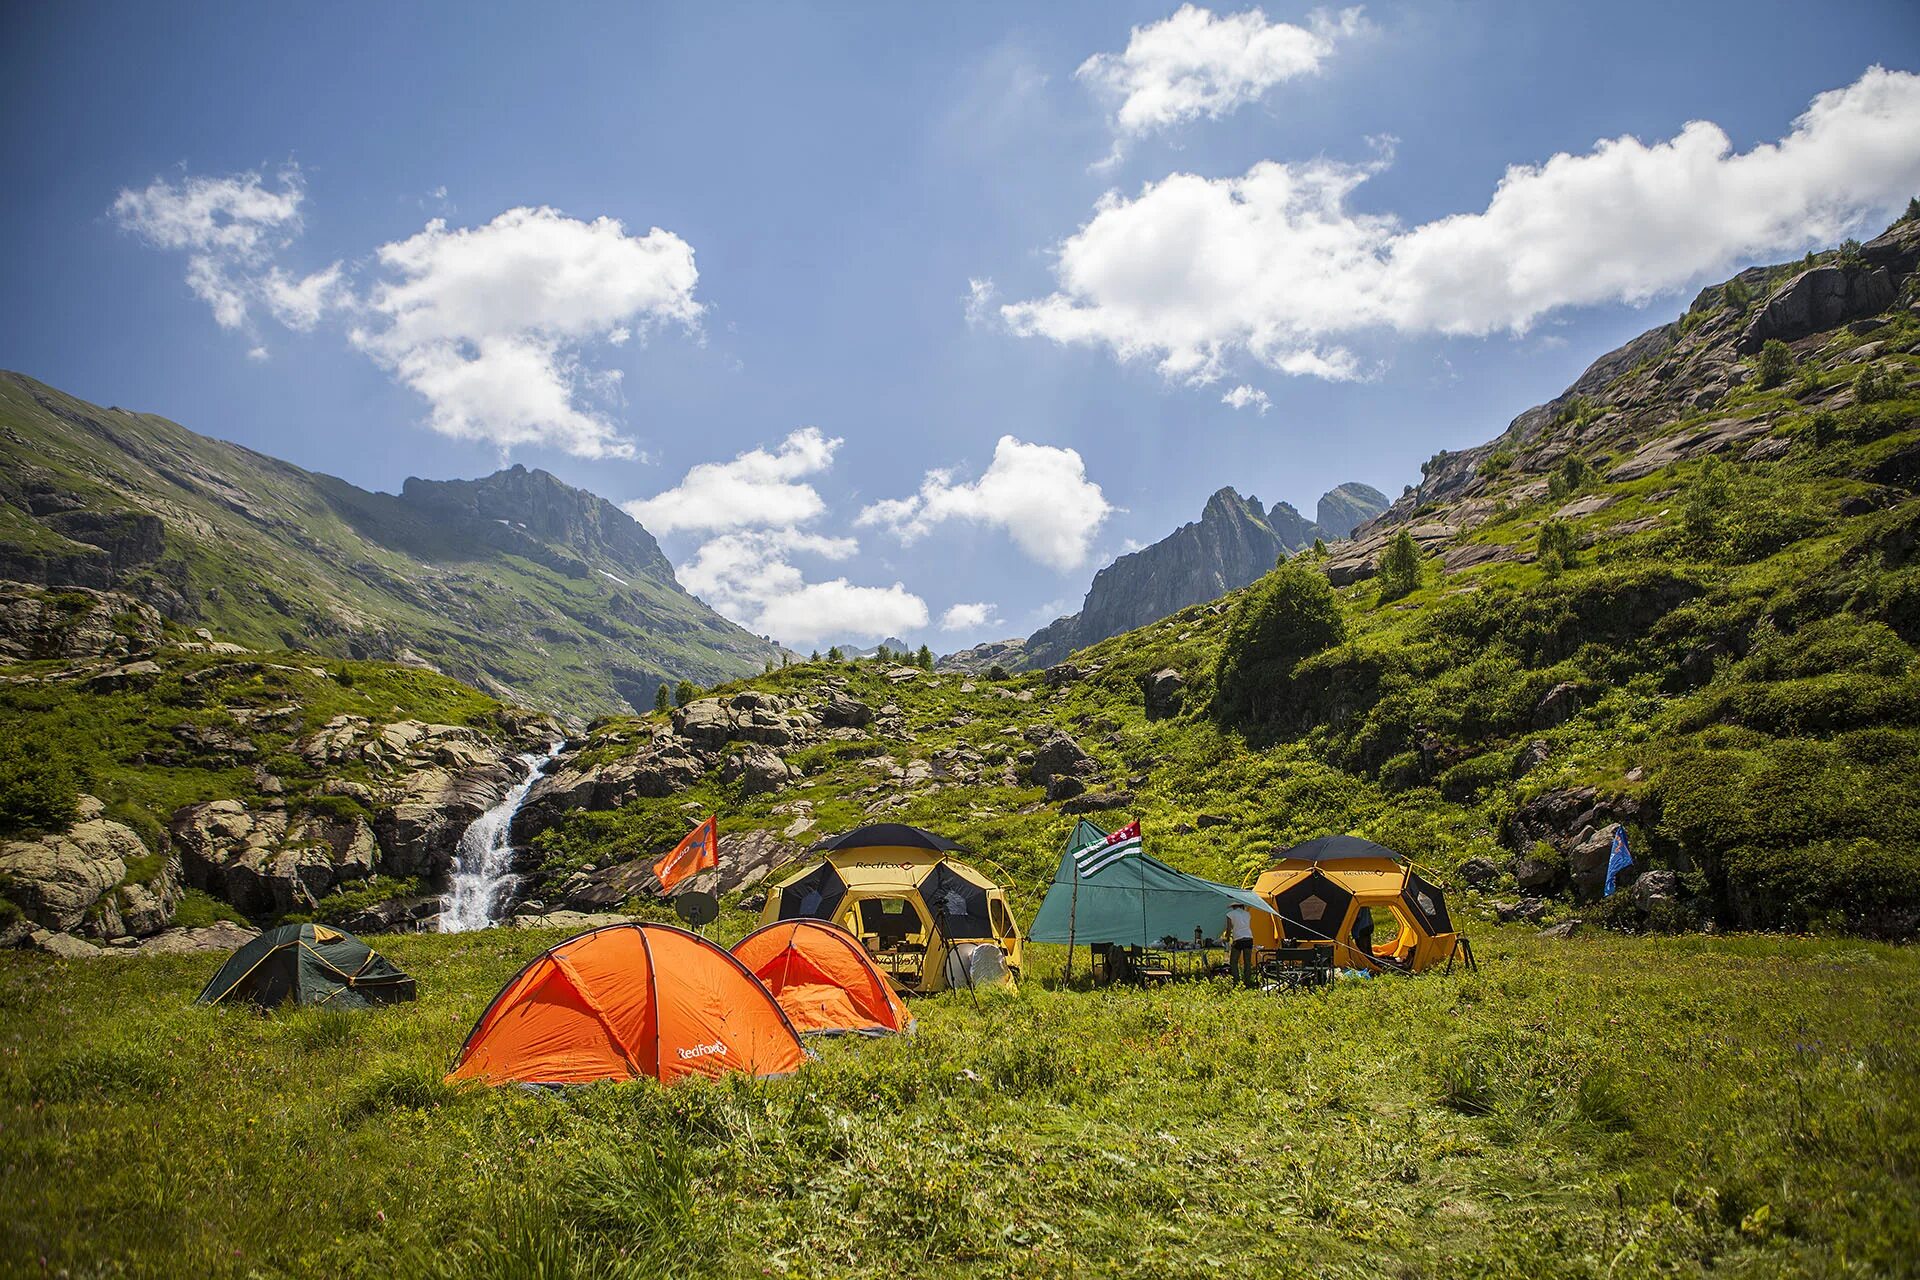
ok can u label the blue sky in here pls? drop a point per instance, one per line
(916, 231)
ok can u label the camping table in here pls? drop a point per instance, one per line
(1195, 960)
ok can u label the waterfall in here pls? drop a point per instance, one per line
(483, 864)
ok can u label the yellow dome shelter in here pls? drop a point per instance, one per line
(929, 921)
(1365, 901)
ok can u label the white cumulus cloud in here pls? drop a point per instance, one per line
(967, 617)
(1196, 63)
(1246, 397)
(749, 575)
(756, 488)
(490, 323)
(229, 228)
(1039, 495)
(1275, 265)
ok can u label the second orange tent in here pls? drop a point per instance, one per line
(823, 979)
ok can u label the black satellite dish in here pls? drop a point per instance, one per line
(696, 908)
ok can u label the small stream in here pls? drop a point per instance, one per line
(483, 864)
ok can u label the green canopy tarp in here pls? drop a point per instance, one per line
(308, 964)
(1134, 902)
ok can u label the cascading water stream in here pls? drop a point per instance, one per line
(483, 864)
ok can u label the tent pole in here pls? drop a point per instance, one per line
(1073, 903)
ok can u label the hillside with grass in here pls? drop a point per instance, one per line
(1680, 600)
(539, 593)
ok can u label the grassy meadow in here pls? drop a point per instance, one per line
(1603, 1106)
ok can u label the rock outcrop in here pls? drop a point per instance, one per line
(79, 880)
(73, 623)
(266, 862)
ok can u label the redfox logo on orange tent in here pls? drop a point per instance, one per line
(702, 1050)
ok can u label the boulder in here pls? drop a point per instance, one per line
(395, 915)
(1656, 889)
(266, 863)
(58, 880)
(757, 770)
(1587, 861)
(1206, 820)
(132, 675)
(1165, 691)
(1541, 875)
(1822, 297)
(220, 936)
(1479, 872)
(1561, 931)
(1531, 910)
(64, 945)
(1097, 801)
(1061, 674)
(1559, 705)
(1530, 757)
(704, 722)
(1057, 754)
(1065, 786)
(843, 711)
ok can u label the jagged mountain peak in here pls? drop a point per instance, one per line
(1235, 540)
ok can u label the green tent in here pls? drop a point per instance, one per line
(1134, 902)
(308, 964)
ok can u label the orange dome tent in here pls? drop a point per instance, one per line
(625, 1001)
(822, 977)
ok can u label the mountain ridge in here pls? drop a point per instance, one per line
(1234, 541)
(534, 590)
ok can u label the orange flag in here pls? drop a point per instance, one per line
(700, 850)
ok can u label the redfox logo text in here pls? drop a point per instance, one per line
(702, 1050)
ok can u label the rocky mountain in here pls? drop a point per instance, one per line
(1234, 541)
(1669, 396)
(1347, 506)
(538, 592)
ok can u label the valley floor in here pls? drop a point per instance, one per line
(1600, 1106)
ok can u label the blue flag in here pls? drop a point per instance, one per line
(1619, 859)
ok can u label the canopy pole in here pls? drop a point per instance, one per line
(1073, 909)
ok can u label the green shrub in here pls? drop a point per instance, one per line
(38, 791)
(1471, 777)
(1399, 566)
(198, 909)
(1557, 549)
(1288, 615)
(1875, 383)
(1773, 365)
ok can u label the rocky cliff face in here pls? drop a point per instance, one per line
(1234, 541)
(1629, 400)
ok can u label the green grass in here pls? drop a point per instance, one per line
(1743, 1106)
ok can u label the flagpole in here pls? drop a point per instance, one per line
(1073, 904)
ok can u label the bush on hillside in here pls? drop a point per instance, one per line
(1288, 615)
(1874, 384)
(37, 787)
(1557, 549)
(1399, 567)
(1773, 365)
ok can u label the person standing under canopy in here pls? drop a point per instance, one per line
(1239, 933)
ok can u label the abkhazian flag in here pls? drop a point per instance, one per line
(700, 850)
(1095, 858)
(1619, 858)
